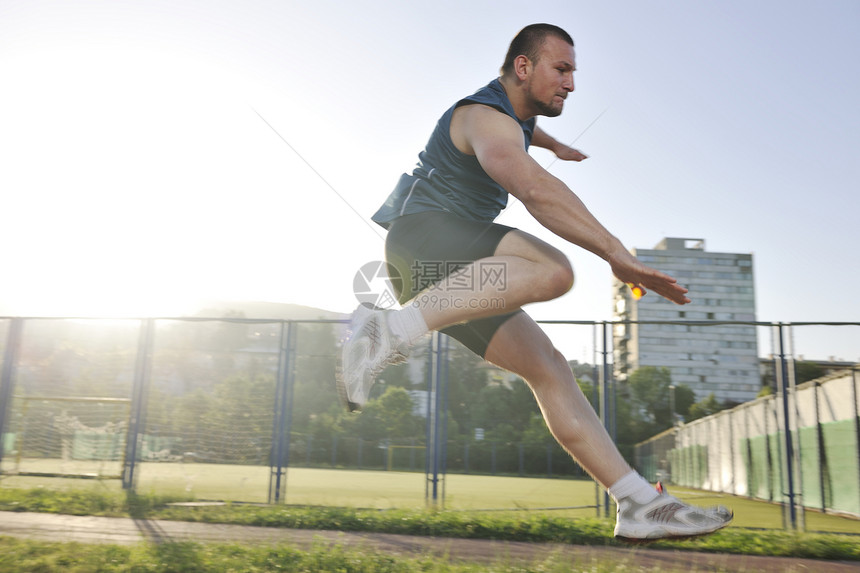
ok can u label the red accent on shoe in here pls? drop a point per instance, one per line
(660, 488)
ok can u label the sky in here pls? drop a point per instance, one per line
(158, 153)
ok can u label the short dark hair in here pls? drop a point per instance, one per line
(528, 43)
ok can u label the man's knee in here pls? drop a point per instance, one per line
(564, 276)
(557, 278)
(546, 366)
(554, 274)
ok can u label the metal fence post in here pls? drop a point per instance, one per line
(749, 457)
(436, 435)
(282, 415)
(798, 448)
(139, 393)
(445, 343)
(605, 416)
(854, 392)
(789, 446)
(596, 398)
(7, 375)
(732, 483)
(820, 452)
(428, 428)
(767, 448)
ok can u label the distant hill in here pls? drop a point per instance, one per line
(254, 309)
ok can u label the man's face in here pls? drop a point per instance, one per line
(552, 77)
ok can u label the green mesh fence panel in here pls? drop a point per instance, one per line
(830, 479)
(843, 481)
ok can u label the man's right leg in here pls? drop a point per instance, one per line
(529, 270)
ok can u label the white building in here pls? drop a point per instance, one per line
(699, 345)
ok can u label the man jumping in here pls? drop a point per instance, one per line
(441, 231)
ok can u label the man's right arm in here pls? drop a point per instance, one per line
(497, 141)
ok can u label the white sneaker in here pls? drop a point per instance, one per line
(368, 349)
(666, 517)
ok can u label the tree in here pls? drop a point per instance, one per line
(467, 378)
(536, 432)
(315, 366)
(684, 398)
(703, 408)
(631, 427)
(498, 404)
(504, 433)
(643, 406)
(587, 389)
(650, 391)
(806, 371)
(389, 416)
(396, 414)
(583, 370)
(238, 423)
(765, 391)
(803, 372)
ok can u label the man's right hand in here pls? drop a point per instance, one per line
(633, 272)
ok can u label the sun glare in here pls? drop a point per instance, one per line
(109, 154)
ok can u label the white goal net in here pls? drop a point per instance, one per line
(66, 436)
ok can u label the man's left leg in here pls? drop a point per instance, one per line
(522, 347)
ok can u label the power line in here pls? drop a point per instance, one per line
(318, 174)
(587, 127)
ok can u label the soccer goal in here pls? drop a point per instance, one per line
(79, 437)
(405, 458)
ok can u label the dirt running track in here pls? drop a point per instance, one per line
(126, 531)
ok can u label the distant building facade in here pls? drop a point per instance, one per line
(709, 358)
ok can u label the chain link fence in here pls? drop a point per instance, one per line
(170, 400)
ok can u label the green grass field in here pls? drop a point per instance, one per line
(403, 490)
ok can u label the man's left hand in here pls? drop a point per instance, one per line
(567, 153)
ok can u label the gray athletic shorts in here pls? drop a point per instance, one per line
(424, 248)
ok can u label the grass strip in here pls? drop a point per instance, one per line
(540, 528)
(24, 556)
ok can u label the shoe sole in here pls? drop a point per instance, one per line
(646, 541)
(339, 381)
(676, 537)
(342, 394)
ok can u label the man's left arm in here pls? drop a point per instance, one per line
(542, 139)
